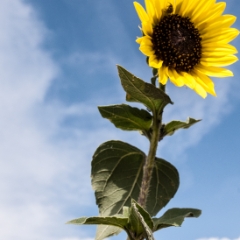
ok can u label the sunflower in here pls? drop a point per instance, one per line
(187, 41)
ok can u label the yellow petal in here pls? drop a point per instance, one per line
(141, 12)
(147, 40)
(224, 33)
(173, 3)
(206, 83)
(217, 50)
(201, 8)
(213, 71)
(223, 38)
(162, 75)
(214, 55)
(215, 45)
(186, 7)
(154, 62)
(178, 4)
(146, 50)
(189, 80)
(139, 40)
(147, 28)
(159, 6)
(219, 62)
(175, 78)
(149, 8)
(200, 90)
(224, 21)
(146, 46)
(227, 20)
(212, 15)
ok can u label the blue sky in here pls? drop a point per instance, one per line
(57, 63)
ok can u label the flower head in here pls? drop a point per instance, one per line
(187, 41)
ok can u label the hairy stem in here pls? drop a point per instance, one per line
(149, 163)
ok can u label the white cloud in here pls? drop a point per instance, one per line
(35, 186)
(101, 61)
(44, 166)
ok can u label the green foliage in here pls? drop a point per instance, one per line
(134, 220)
(106, 231)
(140, 221)
(126, 117)
(139, 91)
(137, 222)
(116, 178)
(118, 168)
(175, 217)
(117, 175)
(171, 127)
(116, 220)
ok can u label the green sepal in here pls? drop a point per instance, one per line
(126, 117)
(139, 91)
(174, 217)
(117, 176)
(172, 126)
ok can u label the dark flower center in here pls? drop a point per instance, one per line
(177, 43)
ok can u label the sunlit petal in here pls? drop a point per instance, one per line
(162, 73)
(154, 62)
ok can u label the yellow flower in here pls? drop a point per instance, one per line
(187, 41)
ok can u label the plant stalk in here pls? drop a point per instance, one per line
(149, 163)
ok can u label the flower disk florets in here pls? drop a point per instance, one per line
(177, 42)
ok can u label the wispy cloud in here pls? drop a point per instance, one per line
(35, 168)
(45, 163)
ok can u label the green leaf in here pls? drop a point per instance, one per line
(135, 221)
(116, 220)
(164, 185)
(171, 127)
(175, 217)
(106, 231)
(139, 91)
(140, 221)
(117, 176)
(126, 117)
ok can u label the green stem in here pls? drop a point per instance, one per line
(149, 163)
(129, 235)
